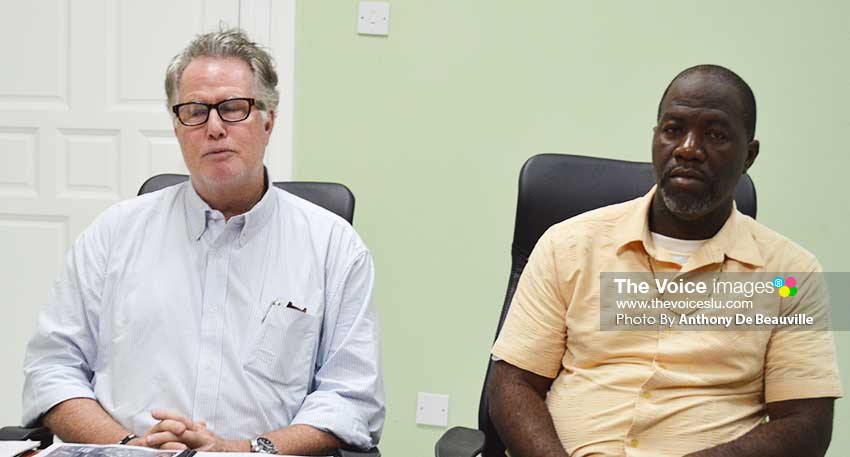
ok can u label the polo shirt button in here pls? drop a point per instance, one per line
(633, 443)
(646, 394)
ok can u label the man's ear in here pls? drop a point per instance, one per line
(752, 153)
(270, 121)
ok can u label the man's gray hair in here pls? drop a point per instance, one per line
(227, 43)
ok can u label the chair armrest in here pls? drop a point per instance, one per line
(460, 442)
(374, 452)
(15, 433)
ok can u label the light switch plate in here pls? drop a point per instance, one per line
(373, 18)
(432, 409)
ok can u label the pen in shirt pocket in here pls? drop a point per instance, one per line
(277, 303)
(269, 308)
(291, 306)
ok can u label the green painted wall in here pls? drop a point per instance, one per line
(430, 126)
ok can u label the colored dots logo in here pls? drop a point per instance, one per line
(787, 286)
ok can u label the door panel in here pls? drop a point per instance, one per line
(83, 123)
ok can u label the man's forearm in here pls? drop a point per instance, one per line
(794, 436)
(304, 440)
(520, 415)
(83, 420)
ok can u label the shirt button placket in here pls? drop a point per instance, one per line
(209, 360)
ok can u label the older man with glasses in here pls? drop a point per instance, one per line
(167, 327)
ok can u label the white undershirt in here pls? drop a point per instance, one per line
(680, 250)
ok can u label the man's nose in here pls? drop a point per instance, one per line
(690, 147)
(215, 126)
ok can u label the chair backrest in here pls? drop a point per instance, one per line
(333, 197)
(556, 187)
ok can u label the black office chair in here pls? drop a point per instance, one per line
(15, 433)
(553, 188)
(332, 196)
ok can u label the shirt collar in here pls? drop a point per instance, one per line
(734, 240)
(197, 211)
(258, 216)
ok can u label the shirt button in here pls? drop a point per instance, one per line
(646, 394)
(633, 443)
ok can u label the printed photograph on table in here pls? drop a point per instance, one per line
(109, 450)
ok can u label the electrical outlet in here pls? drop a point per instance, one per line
(432, 409)
(373, 18)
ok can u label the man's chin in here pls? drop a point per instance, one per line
(220, 176)
(686, 205)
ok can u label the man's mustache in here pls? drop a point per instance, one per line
(678, 170)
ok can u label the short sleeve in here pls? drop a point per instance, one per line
(802, 363)
(534, 334)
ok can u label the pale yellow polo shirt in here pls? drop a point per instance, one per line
(655, 393)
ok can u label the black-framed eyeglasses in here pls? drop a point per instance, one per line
(195, 113)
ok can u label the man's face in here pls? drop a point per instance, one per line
(220, 153)
(700, 147)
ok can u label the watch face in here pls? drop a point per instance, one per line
(265, 445)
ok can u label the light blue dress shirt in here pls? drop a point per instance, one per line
(163, 304)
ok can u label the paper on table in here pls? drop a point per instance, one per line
(103, 450)
(235, 454)
(12, 448)
(117, 450)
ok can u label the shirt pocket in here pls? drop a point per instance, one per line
(285, 351)
(728, 357)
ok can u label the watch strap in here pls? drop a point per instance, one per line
(128, 438)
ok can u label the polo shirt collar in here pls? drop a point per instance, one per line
(733, 240)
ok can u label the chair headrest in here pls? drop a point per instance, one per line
(556, 187)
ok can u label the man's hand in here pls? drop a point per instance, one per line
(176, 432)
(166, 433)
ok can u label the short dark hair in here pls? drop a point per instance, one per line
(748, 100)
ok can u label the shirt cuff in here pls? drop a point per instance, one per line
(330, 412)
(38, 402)
(521, 358)
(809, 388)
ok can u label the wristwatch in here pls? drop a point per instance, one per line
(263, 445)
(127, 438)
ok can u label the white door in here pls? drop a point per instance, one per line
(83, 122)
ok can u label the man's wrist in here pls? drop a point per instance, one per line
(137, 441)
(263, 445)
(239, 446)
